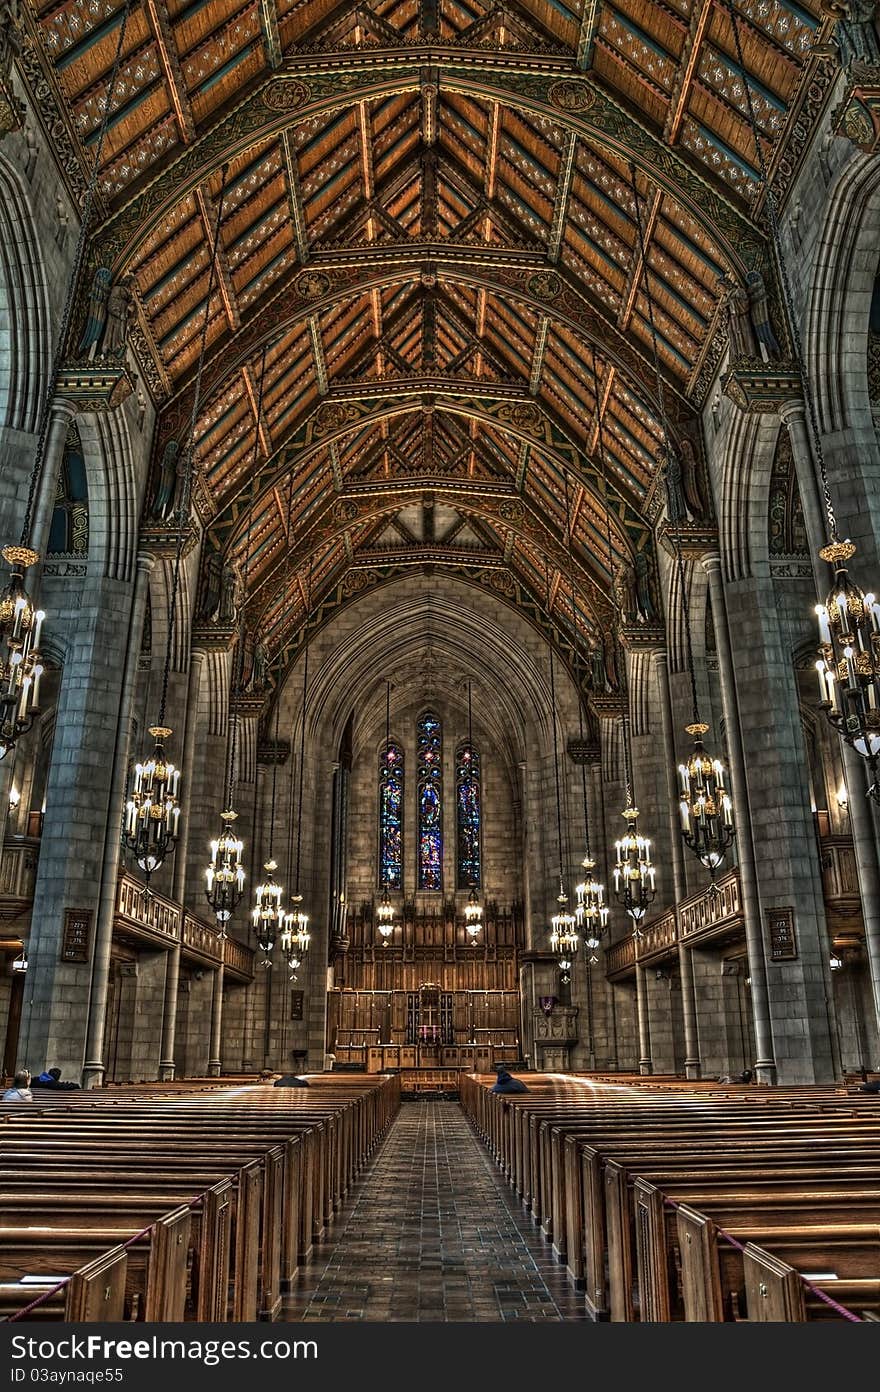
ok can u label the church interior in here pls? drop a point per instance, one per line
(440, 660)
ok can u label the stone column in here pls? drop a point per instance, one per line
(525, 851)
(765, 1064)
(214, 1061)
(685, 965)
(78, 796)
(861, 822)
(172, 970)
(646, 1065)
(61, 414)
(793, 413)
(93, 1067)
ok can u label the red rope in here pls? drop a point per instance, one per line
(19, 1314)
(734, 1242)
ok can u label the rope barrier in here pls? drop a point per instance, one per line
(815, 1290)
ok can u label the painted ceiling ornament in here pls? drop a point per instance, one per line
(544, 285)
(524, 415)
(287, 96)
(345, 510)
(572, 96)
(511, 509)
(335, 415)
(312, 285)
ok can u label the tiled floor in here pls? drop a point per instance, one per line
(431, 1232)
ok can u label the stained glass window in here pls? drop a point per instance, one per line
(390, 817)
(468, 811)
(430, 802)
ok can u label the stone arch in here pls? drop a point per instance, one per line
(836, 345)
(25, 332)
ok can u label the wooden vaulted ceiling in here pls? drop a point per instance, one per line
(429, 286)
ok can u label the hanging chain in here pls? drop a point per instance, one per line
(555, 740)
(182, 515)
(88, 207)
(473, 835)
(667, 444)
(387, 742)
(302, 733)
(784, 281)
(574, 624)
(278, 692)
(238, 666)
(618, 646)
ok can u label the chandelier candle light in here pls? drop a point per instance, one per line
(20, 665)
(473, 911)
(224, 875)
(295, 936)
(384, 908)
(591, 911)
(705, 808)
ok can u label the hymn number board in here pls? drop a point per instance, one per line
(77, 934)
(783, 944)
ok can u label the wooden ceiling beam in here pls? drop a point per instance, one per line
(160, 22)
(538, 352)
(318, 354)
(294, 197)
(587, 33)
(637, 265)
(678, 99)
(260, 423)
(224, 279)
(271, 33)
(563, 192)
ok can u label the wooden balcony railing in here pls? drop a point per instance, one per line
(620, 956)
(714, 911)
(163, 923)
(18, 874)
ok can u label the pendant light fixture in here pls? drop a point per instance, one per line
(848, 665)
(224, 875)
(591, 911)
(705, 806)
(295, 934)
(152, 812)
(385, 909)
(473, 909)
(634, 873)
(21, 619)
(564, 938)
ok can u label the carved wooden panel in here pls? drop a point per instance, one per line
(97, 1291)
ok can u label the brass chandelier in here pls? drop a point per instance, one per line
(295, 936)
(705, 806)
(473, 910)
(224, 874)
(385, 908)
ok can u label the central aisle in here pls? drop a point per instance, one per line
(430, 1233)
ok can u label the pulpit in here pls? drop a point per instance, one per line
(555, 1032)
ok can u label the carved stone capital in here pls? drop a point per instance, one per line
(214, 637)
(693, 539)
(12, 111)
(646, 637)
(159, 540)
(273, 752)
(583, 751)
(761, 388)
(95, 386)
(857, 116)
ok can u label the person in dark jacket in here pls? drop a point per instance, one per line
(290, 1080)
(51, 1078)
(506, 1083)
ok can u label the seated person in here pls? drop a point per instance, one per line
(873, 1086)
(20, 1090)
(290, 1080)
(52, 1079)
(505, 1082)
